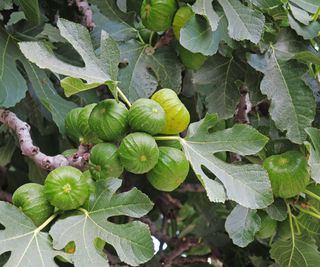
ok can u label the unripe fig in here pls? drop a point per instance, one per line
(109, 120)
(146, 115)
(65, 188)
(170, 171)
(104, 161)
(138, 152)
(177, 115)
(157, 15)
(288, 173)
(31, 199)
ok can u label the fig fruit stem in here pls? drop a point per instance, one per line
(49, 220)
(140, 38)
(123, 97)
(167, 138)
(311, 194)
(83, 211)
(150, 38)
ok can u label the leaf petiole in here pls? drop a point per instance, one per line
(123, 97)
(150, 38)
(140, 38)
(83, 211)
(311, 194)
(49, 220)
(296, 224)
(167, 138)
(313, 214)
(291, 222)
(316, 15)
(315, 210)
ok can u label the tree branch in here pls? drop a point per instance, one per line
(5, 196)
(244, 106)
(165, 39)
(86, 12)
(241, 115)
(192, 259)
(22, 130)
(195, 188)
(158, 234)
(181, 247)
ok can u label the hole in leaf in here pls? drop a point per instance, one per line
(62, 262)
(4, 258)
(208, 172)
(124, 63)
(66, 53)
(70, 248)
(118, 219)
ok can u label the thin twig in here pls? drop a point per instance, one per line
(22, 130)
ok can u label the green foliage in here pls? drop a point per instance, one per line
(248, 185)
(245, 73)
(296, 251)
(96, 70)
(242, 224)
(314, 150)
(29, 246)
(132, 241)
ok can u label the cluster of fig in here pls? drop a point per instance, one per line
(123, 140)
(160, 15)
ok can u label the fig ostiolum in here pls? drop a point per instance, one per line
(288, 173)
(146, 115)
(138, 152)
(157, 15)
(177, 115)
(66, 188)
(104, 161)
(170, 171)
(109, 120)
(31, 199)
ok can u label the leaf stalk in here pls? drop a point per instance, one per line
(123, 97)
(311, 194)
(49, 220)
(167, 138)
